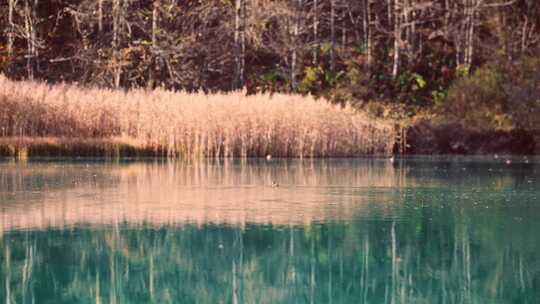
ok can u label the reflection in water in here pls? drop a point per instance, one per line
(59, 195)
(339, 231)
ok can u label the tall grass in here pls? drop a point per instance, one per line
(191, 125)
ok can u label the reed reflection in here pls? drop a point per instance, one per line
(362, 261)
(333, 232)
(59, 195)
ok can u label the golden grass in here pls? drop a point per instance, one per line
(63, 118)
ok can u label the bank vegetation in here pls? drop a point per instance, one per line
(37, 119)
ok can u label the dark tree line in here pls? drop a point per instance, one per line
(403, 50)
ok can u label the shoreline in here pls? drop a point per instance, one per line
(419, 144)
(452, 139)
(30, 147)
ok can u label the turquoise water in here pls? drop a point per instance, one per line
(334, 231)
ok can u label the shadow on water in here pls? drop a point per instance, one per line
(334, 231)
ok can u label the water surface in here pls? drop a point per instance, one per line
(333, 231)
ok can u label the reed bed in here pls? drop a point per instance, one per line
(37, 118)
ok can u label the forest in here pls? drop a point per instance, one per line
(470, 64)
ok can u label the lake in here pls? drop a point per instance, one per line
(417, 230)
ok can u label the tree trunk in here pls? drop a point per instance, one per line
(116, 42)
(343, 31)
(397, 37)
(389, 12)
(100, 16)
(243, 45)
(409, 20)
(467, 32)
(35, 51)
(367, 32)
(155, 16)
(523, 45)
(152, 72)
(354, 22)
(470, 36)
(11, 31)
(405, 18)
(315, 32)
(333, 36)
(294, 53)
(239, 43)
(237, 13)
(447, 14)
(29, 13)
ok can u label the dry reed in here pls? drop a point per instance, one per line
(179, 124)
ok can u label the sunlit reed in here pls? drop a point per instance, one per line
(36, 118)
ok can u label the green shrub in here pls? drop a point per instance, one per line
(522, 89)
(478, 101)
(498, 96)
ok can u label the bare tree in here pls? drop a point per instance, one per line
(465, 35)
(333, 36)
(367, 31)
(100, 16)
(470, 13)
(397, 37)
(156, 4)
(32, 42)
(239, 43)
(315, 12)
(117, 19)
(295, 35)
(11, 27)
